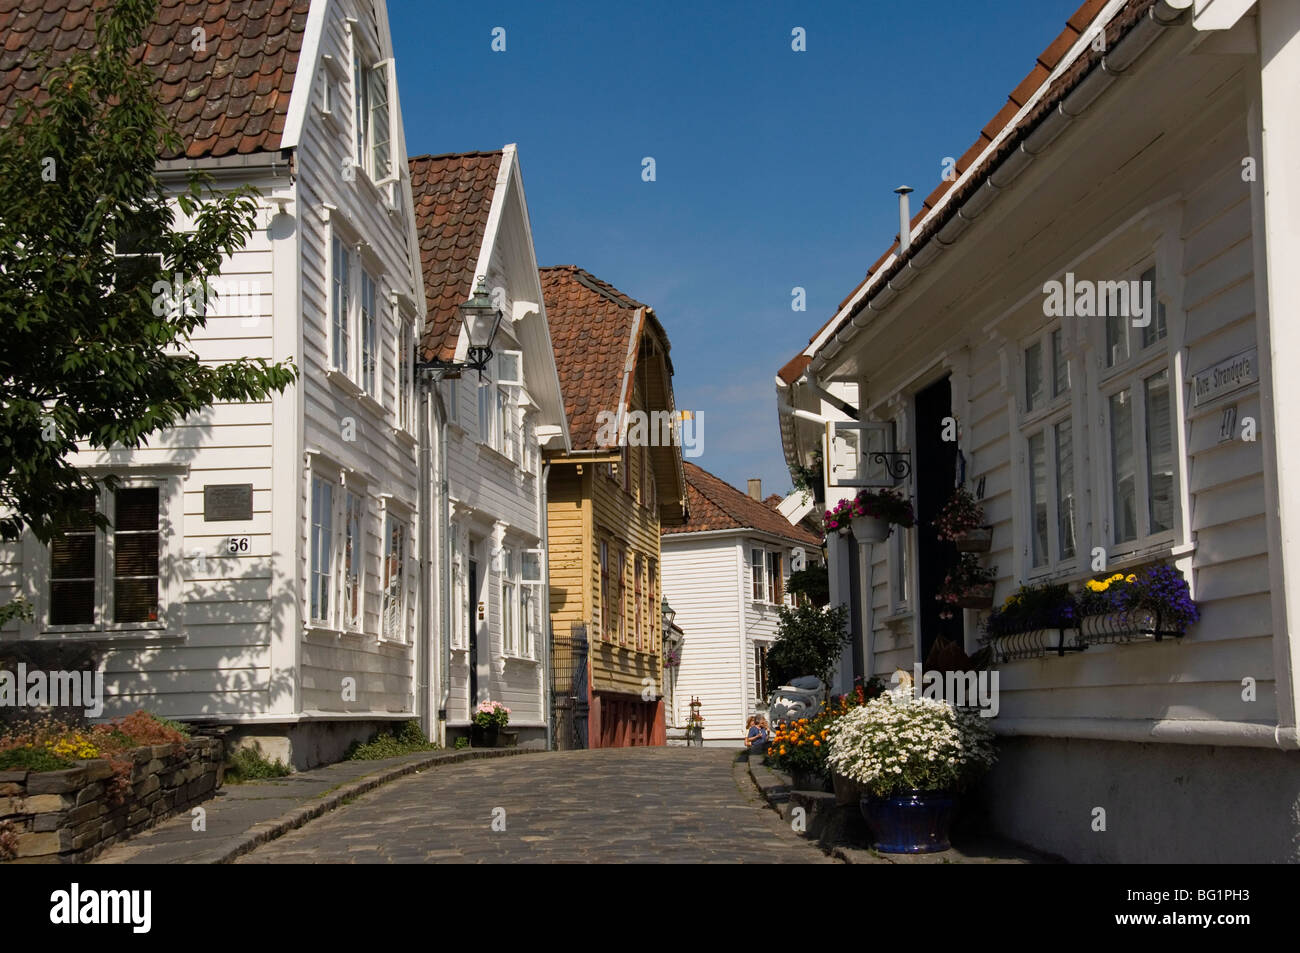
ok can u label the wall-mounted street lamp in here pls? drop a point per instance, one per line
(481, 320)
(668, 614)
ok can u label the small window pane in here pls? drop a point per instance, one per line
(1033, 377)
(352, 562)
(1064, 490)
(1060, 365)
(1038, 497)
(72, 568)
(1158, 327)
(394, 610)
(756, 567)
(341, 339)
(1160, 452)
(379, 133)
(1116, 339)
(322, 517)
(135, 555)
(1123, 479)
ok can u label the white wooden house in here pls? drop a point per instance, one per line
(488, 431)
(284, 597)
(1153, 141)
(724, 574)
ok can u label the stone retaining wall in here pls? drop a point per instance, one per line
(70, 816)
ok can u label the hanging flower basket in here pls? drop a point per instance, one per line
(870, 529)
(978, 540)
(978, 596)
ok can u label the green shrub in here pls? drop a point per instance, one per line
(408, 739)
(249, 764)
(462, 742)
(32, 759)
(174, 725)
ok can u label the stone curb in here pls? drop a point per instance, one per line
(268, 831)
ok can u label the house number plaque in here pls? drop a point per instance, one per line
(227, 501)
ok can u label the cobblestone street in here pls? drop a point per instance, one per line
(649, 805)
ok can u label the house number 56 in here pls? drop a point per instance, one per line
(238, 544)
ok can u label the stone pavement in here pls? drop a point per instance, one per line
(612, 805)
(241, 816)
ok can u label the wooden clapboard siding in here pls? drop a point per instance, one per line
(703, 580)
(377, 461)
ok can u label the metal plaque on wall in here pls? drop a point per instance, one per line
(227, 501)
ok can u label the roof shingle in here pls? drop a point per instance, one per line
(453, 197)
(193, 86)
(715, 504)
(592, 324)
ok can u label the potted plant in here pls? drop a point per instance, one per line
(961, 522)
(968, 585)
(1030, 608)
(871, 514)
(1156, 601)
(695, 726)
(799, 749)
(914, 756)
(489, 719)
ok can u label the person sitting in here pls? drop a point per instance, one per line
(755, 733)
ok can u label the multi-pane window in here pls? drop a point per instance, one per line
(1139, 431)
(1049, 451)
(486, 418)
(340, 307)
(404, 361)
(656, 619)
(322, 548)
(760, 671)
(369, 352)
(775, 580)
(605, 593)
(353, 559)
(505, 424)
(394, 581)
(531, 581)
(638, 566)
(372, 119)
(509, 603)
(113, 577)
(756, 564)
(619, 602)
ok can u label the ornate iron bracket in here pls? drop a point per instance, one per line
(897, 463)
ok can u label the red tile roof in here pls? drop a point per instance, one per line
(1118, 25)
(592, 324)
(453, 196)
(230, 98)
(715, 504)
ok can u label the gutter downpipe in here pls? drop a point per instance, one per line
(444, 574)
(424, 642)
(548, 708)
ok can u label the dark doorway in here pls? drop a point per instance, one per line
(936, 475)
(473, 636)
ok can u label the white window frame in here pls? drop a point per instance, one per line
(846, 463)
(366, 63)
(404, 371)
(460, 588)
(331, 574)
(757, 574)
(486, 400)
(508, 591)
(350, 494)
(1132, 373)
(339, 244)
(368, 365)
(389, 516)
(1056, 408)
(170, 557)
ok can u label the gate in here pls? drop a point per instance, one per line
(569, 688)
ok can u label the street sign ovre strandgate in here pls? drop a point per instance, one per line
(227, 501)
(1231, 374)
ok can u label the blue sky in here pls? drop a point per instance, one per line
(774, 168)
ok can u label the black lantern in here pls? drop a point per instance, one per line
(481, 319)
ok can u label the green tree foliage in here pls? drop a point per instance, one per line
(809, 641)
(813, 582)
(86, 354)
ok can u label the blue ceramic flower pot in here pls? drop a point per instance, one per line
(914, 823)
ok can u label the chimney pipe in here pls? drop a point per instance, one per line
(904, 219)
(756, 489)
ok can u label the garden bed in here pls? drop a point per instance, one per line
(70, 814)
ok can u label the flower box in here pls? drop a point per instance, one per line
(978, 540)
(1119, 626)
(979, 596)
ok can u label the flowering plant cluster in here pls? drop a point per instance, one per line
(672, 658)
(899, 743)
(47, 744)
(491, 713)
(960, 582)
(961, 514)
(1160, 590)
(888, 505)
(801, 744)
(1034, 607)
